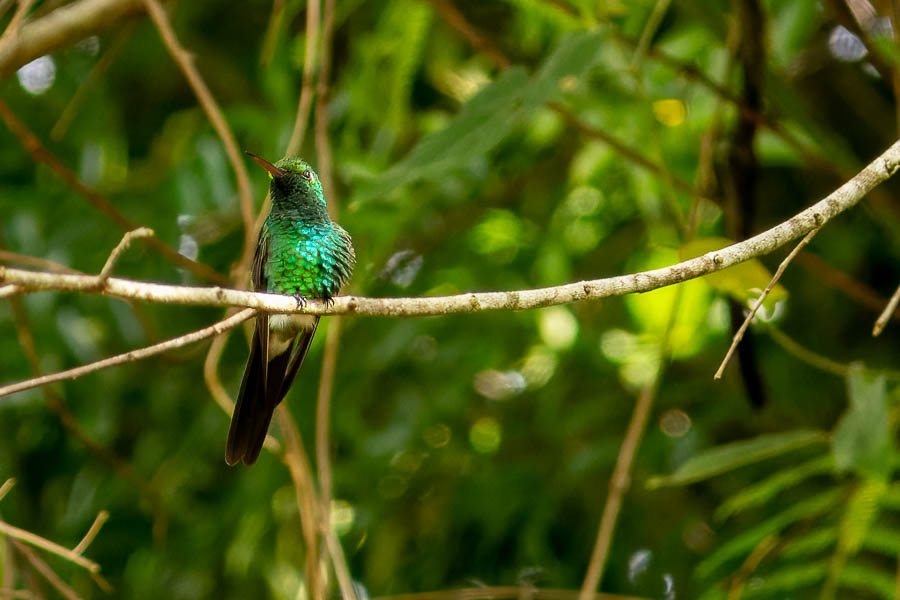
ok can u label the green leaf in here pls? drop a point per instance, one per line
(810, 544)
(724, 458)
(491, 115)
(860, 513)
(787, 579)
(743, 282)
(863, 577)
(862, 440)
(767, 489)
(884, 540)
(745, 543)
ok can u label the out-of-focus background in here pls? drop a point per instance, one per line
(475, 145)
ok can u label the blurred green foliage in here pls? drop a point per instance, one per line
(476, 449)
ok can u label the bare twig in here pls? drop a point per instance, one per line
(132, 355)
(323, 404)
(276, 18)
(12, 29)
(58, 406)
(455, 19)
(810, 219)
(124, 243)
(62, 28)
(332, 342)
(625, 151)
(504, 592)
(298, 464)
(618, 485)
(97, 71)
(102, 517)
(34, 261)
(306, 90)
(813, 359)
(7, 485)
(52, 547)
(185, 62)
(841, 281)
(846, 196)
(44, 569)
(886, 314)
(40, 154)
(8, 291)
(739, 335)
(650, 28)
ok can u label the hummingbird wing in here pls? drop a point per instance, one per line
(250, 407)
(283, 368)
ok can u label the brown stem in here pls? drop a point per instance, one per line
(185, 62)
(40, 154)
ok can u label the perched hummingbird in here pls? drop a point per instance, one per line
(302, 253)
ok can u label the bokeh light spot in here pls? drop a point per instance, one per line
(485, 435)
(37, 76)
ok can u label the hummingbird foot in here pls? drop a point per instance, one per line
(300, 299)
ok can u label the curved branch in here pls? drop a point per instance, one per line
(62, 28)
(815, 216)
(130, 356)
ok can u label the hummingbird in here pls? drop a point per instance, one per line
(300, 252)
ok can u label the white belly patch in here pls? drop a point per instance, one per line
(284, 328)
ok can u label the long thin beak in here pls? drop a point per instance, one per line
(272, 169)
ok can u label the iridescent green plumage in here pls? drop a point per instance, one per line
(302, 253)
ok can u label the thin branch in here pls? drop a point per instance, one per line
(831, 276)
(7, 485)
(132, 355)
(625, 151)
(332, 342)
(33, 261)
(504, 592)
(12, 29)
(40, 154)
(270, 38)
(739, 335)
(62, 28)
(846, 196)
(18, 594)
(810, 219)
(44, 569)
(97, 71)
(52, 547)
(306, 91)
(650, 28)
(8, 291)
(814, 359)
(455, 19)
(102, 517)
(323, 406)
(58, 406)
(298, 464)
(618, 485)
(185, 62)
(887, 313)
(124, 243)
(620, 481)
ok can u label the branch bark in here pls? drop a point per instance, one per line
(846, 196)
(63, 27)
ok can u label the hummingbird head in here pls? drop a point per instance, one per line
(294, 182)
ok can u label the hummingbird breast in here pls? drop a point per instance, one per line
(308, 259)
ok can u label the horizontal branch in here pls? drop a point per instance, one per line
(63, 27)
(133, 355)
(815, 216)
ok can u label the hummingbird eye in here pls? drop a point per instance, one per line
(309, 176)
